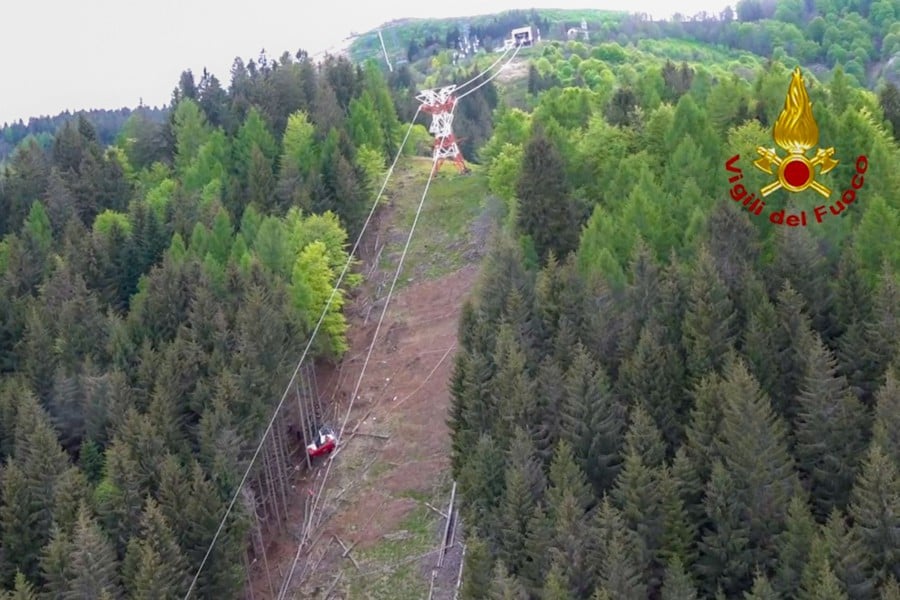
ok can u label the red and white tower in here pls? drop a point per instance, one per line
(439, 104)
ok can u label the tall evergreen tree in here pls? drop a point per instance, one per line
(830, 431)
(545, 211)
(708, 326)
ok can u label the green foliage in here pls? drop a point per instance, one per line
(108, 219)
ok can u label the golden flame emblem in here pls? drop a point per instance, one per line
(796, 132)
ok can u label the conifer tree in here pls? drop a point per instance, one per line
(690, 486)
(549, 393)
(477, 572)
(762, 589)
(56, 563)
(794, 545)
(726, 554)
(653, 377)
(505, 586)
(791, 348)
(886, 428)
(679, 531)
(555, 587)
(875, 509)
(868, 347)
(830, 430)
(566, 478)
(538, 549)
(800, 262)
(753, 443)
(706, 415)
(22, 589)
(848, 556)
(93, 563)
(641, 295)
(677, 584)
(620, 571)
(514, 511)
(481, 486)
(760, 341)
(708, 327)
(616, 554)
(636, 494)
(512, 391)
(592, 420)
(154, 565)
(546, 212)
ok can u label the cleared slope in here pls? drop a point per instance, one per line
(384, 478)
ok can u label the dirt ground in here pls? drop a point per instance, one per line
(388, 482)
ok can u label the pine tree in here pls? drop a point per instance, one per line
(753, 443)
(477, 572)
(800, 262)
(154, 566)
(875, 509)
(592, 420)
(830, 430)
(93, 559)
(848, 556)
(538, 550)
(677, 584)
(679, 531)
(546, 213)
(505, 586)
(56, 563)
(566, 478)
(555, 587)
(759, 345)
(481, 486)
(514, 512)
(653, 377)
(637, 496)
(791, 348)
(23, 589)
(549, 392)
(616, 554)
(762, 589)
(794, 545)
(708, 327)
(886, 429)
(726, 555)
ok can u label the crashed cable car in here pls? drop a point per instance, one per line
(324, 443)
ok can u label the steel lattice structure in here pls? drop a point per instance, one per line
(439, 103)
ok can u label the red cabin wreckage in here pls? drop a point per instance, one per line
(324, 443)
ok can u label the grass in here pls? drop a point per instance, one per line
(393, 571)
(444, 232)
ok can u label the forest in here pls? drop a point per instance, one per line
(658, 394)
(106, 123)
(156, 293)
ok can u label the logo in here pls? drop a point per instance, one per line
(795, 132)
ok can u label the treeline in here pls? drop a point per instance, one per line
(155, 297)
(106, 124)
(659, 395)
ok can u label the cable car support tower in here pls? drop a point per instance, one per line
(440, 103)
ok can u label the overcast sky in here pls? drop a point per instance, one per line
(65, 54)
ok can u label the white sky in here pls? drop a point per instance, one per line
(81, 54)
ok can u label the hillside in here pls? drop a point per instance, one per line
(864, 38)
(636, 387)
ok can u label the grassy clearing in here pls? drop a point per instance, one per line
(391, 569)
(444, 232)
